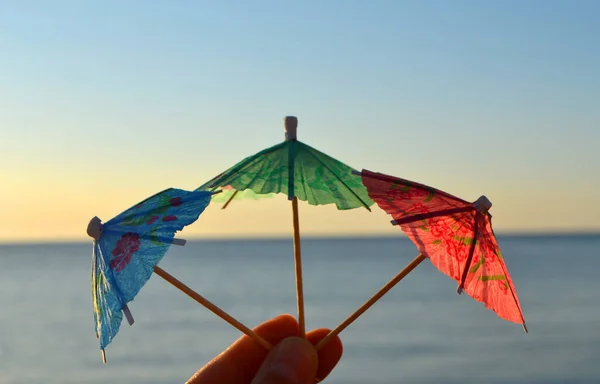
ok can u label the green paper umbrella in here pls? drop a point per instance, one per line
(302, 173)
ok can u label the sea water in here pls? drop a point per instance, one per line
(420, 332)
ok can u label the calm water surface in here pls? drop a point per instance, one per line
(420, 332)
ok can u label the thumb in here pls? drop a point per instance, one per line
(293, 361)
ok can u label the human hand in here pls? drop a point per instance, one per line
(291, 361)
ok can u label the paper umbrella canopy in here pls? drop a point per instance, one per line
(128, 247)
(454, 234)
(302, 173)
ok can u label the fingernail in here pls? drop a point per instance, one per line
(293, 361)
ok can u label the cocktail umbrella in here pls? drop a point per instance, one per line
(302, 173)
(454, 234)
(127, 250)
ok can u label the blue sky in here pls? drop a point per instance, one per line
(104, 103)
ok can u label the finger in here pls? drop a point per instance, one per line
(329, 355)
(239, 363)
(293, 361)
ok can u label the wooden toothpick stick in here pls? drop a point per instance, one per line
(298, 268)
(206, 303)
(211, 307)
(363, 308)
(291, 126)
(231, 198)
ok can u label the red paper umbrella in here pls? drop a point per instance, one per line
(457, 237)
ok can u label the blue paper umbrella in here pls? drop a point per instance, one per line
(127, 249)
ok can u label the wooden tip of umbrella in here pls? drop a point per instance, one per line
(525, 328)
(94, 228)
(291, 125)
(103, 356)
(483, 204)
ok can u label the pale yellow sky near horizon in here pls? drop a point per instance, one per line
(41, 206)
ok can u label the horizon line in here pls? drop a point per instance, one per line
(217, 238)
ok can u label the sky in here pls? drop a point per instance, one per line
(105, 103)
